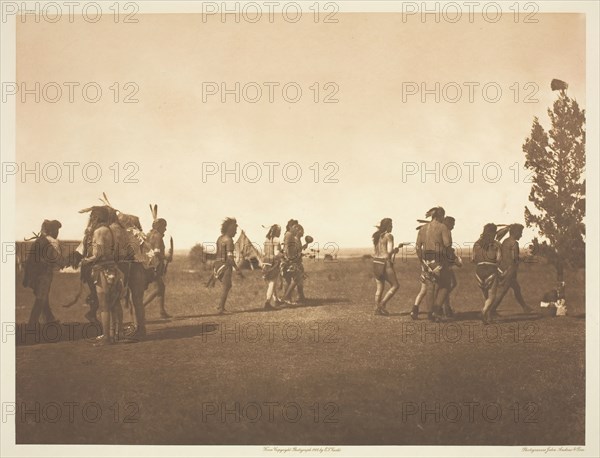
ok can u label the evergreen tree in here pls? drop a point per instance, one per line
(557, 160)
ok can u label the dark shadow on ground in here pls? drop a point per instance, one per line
(308, 303)
(316, 302)
(159, 321)
(87, 332)
(475, 315)
(516, 318)
(182, 332)
(55, 332)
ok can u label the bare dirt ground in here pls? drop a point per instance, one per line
(330, 372)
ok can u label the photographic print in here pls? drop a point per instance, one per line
(299, 228)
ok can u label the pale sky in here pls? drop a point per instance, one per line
(369, 133)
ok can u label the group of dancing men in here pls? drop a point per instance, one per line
(496, 262)
(109, 275)
(108, 265)
(107, 259)
(281, 261)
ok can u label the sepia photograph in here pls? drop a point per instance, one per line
(311, 228)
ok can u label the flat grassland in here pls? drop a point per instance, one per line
(330, 372)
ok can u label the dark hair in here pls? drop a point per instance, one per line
(436, 213)
(49, 226)
(157, 222)
(272, 230)
(487, 236)
(227, 222)
(291, 223)
(384, 226)
(450, 220)
(516, 229)
(103, 215)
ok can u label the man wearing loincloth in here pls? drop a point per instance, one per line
(434, 250)
(383, 265)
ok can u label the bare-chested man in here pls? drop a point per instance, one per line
(273, 255)
(508, 267)
(107, 277)
(383, 265)
(292, 267)
(225, 261)
(434, 243)
(486, 254)
(454, 261)
(449, 221)
(155, 240)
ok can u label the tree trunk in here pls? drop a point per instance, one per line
(561, 305)
(560, 272)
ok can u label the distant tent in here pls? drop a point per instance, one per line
(246, 254)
